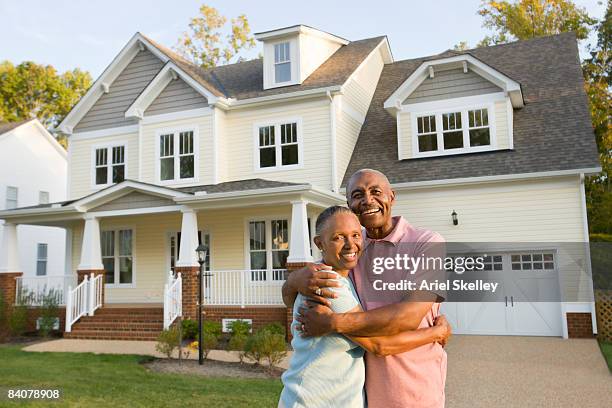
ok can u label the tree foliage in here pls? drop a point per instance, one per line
(31, 90)
(523, 19)
(207, 46)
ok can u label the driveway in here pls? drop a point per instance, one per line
(510, 371)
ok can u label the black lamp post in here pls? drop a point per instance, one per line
(202, 251)
(455, 219)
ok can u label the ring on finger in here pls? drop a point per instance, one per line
(318, 291)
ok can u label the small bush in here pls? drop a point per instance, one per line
(49, 312)
(18, 318)
(268, 344)
(240, 328)
(274, 328)
(237, 343)
(190, 329)
(209, 342)
(167, 341)
(252, 349)
(212, 328)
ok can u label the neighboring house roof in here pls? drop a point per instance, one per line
(552, 131)
(8, 126)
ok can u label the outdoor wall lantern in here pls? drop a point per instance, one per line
(202, 251)
(455, 219)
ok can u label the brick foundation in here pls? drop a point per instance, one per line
(35, 312)
(579, 325)
(261, 315)
(189, 276)
(8, 286)
(81, 275)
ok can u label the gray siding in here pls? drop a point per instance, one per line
(177, 96)
(109, 110)
(452, 83)
(135, 200)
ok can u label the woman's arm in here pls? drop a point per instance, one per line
(404, 341)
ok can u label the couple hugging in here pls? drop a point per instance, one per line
(337, 320)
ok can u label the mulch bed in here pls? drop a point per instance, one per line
(212, 368)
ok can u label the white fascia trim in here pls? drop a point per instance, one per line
(93, 134)
(493, 179)
(284, 97)
(137, 211)
(130, 185)
(167, 117)
(7, 215)
(50, 138)
(299, 29)
(112, 71)
(509, 86)
(384, 48)
(333, 140)
(167, 74)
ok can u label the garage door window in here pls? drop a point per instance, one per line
(533, 262)
(493, 263)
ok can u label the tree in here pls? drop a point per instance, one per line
(207, 46)
(30, 90)
(461, 46)
(597, 72)
(525, 19)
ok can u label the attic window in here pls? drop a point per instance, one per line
(282, 62)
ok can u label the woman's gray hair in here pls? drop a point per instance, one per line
(327, 214)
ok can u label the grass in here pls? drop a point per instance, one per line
(90, 380)
(606, 349)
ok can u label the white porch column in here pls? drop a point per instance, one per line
(91, 254)
(68, 253)
(299, 244)
(189, 239)
(9, 254)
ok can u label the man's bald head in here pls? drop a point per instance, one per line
(383, 180)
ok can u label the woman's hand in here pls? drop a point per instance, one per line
(312, 280)
(444, 330)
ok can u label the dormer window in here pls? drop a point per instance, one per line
(282, 62)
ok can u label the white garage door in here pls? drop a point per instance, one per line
(526, 276)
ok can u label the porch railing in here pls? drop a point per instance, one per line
(257, 287)
(32, 290)
(84, 299)
(173, 299)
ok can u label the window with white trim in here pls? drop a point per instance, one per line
(460, 130)
(280, 151)
(177, 156)
(268, 249)
(12, 194)
(175, 248)
(41, 259)
(282, 62)
(43, 197)
(117, 256)
(109, 165)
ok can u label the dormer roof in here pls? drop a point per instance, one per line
(299, 29)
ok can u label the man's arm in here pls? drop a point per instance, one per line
(306, 281)
(384, 321)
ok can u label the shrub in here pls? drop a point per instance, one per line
(212, 328)
(167, 341)
(49, 312)
(252, 349)
(18, 319)
(274, 328)
(190, 329)
(268, 344)
(209, 342)
(238, 342)
(240, 328)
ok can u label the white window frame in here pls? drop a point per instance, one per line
(196, 154)
(44, 259)
(289, 60)
(117, 257)
(174, 234)
(15, 200)
(463, 105)
(277, 143)
(269, 260)
(109, 163)
(269, 75)
(43, 197)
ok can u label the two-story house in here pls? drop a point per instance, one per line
(486, 145)
(33, 169)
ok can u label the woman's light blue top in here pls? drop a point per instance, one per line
(325, 371)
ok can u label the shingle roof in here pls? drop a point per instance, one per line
(244, 80)
(8, 126)
(240, 185)
(552, 132)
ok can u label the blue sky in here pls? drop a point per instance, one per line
(88, 34)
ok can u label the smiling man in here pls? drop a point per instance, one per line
(412, 379)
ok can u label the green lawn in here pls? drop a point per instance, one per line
(89, 380)
(606, 349)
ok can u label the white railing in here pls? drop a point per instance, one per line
(244, 287)
(173, 299)
(33, 290)
(84, 299)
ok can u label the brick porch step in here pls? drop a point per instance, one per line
(138, 323)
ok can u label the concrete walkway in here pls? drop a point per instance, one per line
(483, 371)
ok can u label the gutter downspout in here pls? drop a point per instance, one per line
(588, 250)
(332, 124)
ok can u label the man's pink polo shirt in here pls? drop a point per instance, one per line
(415, 378)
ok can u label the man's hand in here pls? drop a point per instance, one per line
(444, 328)
(316, 320)
(311, 282)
